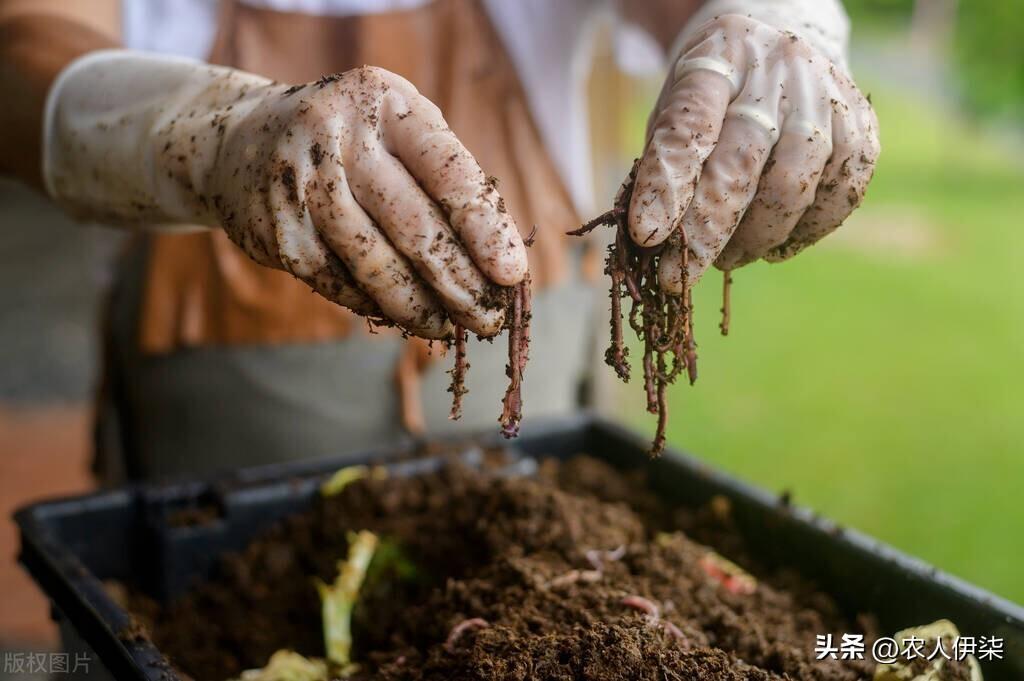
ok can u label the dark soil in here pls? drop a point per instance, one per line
(514, 553)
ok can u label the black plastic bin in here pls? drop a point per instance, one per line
(70, 545)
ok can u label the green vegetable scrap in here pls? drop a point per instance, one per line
(286, 665)
(930, 634)
(337, 602)
(390, 561)
(345, 476)
(339, 599)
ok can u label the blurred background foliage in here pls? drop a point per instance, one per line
(877, 376)
(985, 40)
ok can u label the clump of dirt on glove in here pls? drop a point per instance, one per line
(545, 578)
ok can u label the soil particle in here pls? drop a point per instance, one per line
(498, 590)
(316, 154)
(289, 182)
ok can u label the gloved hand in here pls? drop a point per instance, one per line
(760, 143)
(354, 183)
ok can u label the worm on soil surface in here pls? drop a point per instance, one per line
(461, 628)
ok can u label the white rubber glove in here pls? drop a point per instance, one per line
(354, 183)
(760, 142)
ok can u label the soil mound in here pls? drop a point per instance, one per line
(578, 573)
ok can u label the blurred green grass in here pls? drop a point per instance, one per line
(878, 375)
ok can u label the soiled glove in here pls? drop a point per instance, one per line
(760, 143)
(354, 183)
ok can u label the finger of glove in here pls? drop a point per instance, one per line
(303, 253)
(379, 269)
(247, 222)
(684, 135)
(416, 133)
(418, 230)
(785, 191)
(842, 185)
(727, 184)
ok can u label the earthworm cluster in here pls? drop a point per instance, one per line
(597, 559)
(517, 323)
(664, 322)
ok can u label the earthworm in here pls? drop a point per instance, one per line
(726, 306)
(597, 558)
(458, 372)
(462, 627)
(573, 576)
(518, 354)
(644, 605)
(653, 617)
(517, 322)
(675, 632)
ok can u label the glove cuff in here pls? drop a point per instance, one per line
(108, 117)
(822, 23)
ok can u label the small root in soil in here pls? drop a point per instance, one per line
(664, 322)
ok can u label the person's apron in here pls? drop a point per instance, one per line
(216, 362)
